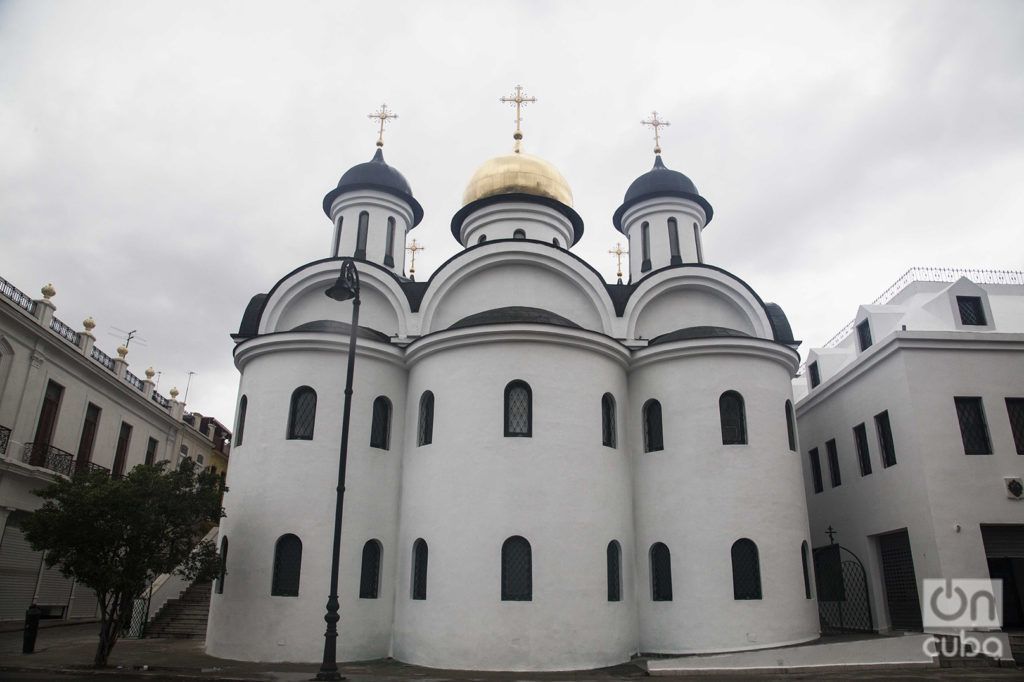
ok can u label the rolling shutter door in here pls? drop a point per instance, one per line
(54, 589)
(19, 571)
(1003, 541)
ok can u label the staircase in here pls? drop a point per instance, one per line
(184, 617)
(1017, 646)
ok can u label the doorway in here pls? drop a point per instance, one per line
(900, 581)
(1004, 549)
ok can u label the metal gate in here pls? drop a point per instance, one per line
(900, 581)
(843, 603)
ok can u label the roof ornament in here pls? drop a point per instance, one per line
(656, 123)
(519, 100)
(413, 249)
(618, 252)
(383, 115)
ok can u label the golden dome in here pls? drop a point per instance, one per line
(517, 174)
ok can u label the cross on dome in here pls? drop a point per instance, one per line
(656, 123)
(519, 100)
(383, 115)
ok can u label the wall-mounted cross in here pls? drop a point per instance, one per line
(656, 123)
(618, 252)
(383, 115)
(414, 248)
(519, 100)
(831, 533)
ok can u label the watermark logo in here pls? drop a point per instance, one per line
(962, 603)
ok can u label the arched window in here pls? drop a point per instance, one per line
(369, 576)
(380, 427)
(287, 566)
(389, 247)
(240, 426)
(696, 239)
(516, 570)
(481, 239)
(661, 572)
(746, 570)
(673, 241)
(337, 239)
(734, 418)
(223, 564)
(807, 572)
(790, 426)
(653, 440)
(419, 569)
(608, 420)
(519, 234)
(556, 243)
(425, 429)
(518, 409)
(614, 571)
(302, 414)
(364, 226)
(645, 246)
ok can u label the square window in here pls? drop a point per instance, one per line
(973, 429)
(972, 313)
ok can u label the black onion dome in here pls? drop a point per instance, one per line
(378, 175)
(660, 182)
(512, 314)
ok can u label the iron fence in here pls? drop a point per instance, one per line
(20, 298)
(134, 381)
(102, 358)
(48, 457)
(5, 438)
(64, 331)
(161, 401)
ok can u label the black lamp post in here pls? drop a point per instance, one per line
(344, 289)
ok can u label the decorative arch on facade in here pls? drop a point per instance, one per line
(732, 413)
(516, 569)
(380, 423)
(287, 566)
(614, 556)
(746, 570)
(302, 414)
(661, 572)
(518, 409)
(369, 574)
(425, 423)
(420, 554)
(609, 432)
(654, 438)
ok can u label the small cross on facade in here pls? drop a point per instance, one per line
(618, 252)
(383, 115)
(656, 123)
(831, 533)
(519, 100)
(414, 248)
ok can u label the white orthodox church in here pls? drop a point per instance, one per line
(546, 471)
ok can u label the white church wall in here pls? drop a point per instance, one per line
(380, 206)
(288, 486)
(501, 221)
(699, 496)
(472, 488)
(656, 213)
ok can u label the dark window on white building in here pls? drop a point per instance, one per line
(151, 451)
(519, 234)
(518, 409)
(389, 247)
(361, 231)
(369, 575)
(746, 570)
(860, 437)
(337, 239)
(425, 427)
(673, 242)
(380, 425)
(645, 246)
(733, 417)
(661, 572)
(223, 564)
(885, 442)
(88, 438)
(973, 427)
(302, 414)
(419, 569)
(124, 438)
(807, 570)
(833, 463)
(864, 335)
(1015, 411)
(516, 570)
(608, 420)
(614, 554)
(653, 440)
(243, 404)
(816, 470)
(287, 566)
(791, 426)
(972, 312)
(815, 376)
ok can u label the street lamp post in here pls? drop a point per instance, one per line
(345, 288)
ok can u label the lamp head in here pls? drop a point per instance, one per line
(346, 287)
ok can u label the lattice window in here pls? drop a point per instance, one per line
(223, 564)
(653, 438)
(419, 569)
(425, 428)
(369, 575)
(361, 232)
(1015, 411)
(746, 570)
(790, 426)
(860, 437)
(302, 415)
(287, 566)
(608, 435)
(380, 426)
(519, 234)
(885, 442)
(516, 570)
(614, 571)
(807, 571)
(864, 335)
(972, 312)
(816, 470)
(661, 572)
(833, 463)
(518, 409)
(973, 429)
(243, 404)
(734, 418)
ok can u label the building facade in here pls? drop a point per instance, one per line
(912, 430)
(546, 471)
(66, 406)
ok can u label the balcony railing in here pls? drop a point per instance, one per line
(64, 331)
(56, 460)
(102, 358)
(20, 298)
(161, 401)
(5, 438)
(134, 381)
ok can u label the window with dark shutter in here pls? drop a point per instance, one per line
(864, 335)
(389, 246)
(425, 427)
(287, 566)
(885, 442)
(816, 470)
(733, 417)
(614, 553)
(653, 440)
(361, 232)
(223, 564)
(516, 570)
(860, 437)
(791, 426)
(518, 409)
(88, 439)
(645, 246)
(833, 463)
(302, 414)
(151, 451)
(243, 404)
(661, 572)
(673, 242)
(812, 369)
(519, 234)
(973, 428)
(380, 425)
(419, 569)
(807, 570)
(608, 420)
(972, 312)
(369, 575)
(746, 570)
(1015, 411)
(121, 454)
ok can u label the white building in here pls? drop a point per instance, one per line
(67, 406)
(912, 431)
(589, 470)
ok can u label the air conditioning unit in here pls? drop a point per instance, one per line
(1014, 487)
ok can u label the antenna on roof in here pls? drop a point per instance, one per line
(128, 336)
(190, 375)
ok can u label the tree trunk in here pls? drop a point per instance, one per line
(110, 628)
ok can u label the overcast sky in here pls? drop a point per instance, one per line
(162, 162)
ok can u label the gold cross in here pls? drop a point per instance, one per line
(618, 252)
(656, 123)
(383, 115)
(520, 101)
(413, 248)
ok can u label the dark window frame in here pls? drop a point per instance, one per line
(613, 554)
(420, 563)
(380, 423)
(653, 426)
(298, 412)
(243, 406)
(732, 413)
(1015, 413)
(645, 246)
(516, 580)
(223, 563)
(816, 480)
(124, 441)
(974, 431)
(860, 439)
(284, 584)
(425, 423)
(835, 476)
(660, 558)
(886, 443)
(746, 570)
(362, 232)
(507, 411)
(972, 311)
(676, 256)
(807, 570)
(389, 245)
(791, 426)
(864, 339)
(90, 427)
(369, 569)
(815, 375)
(519, 233)
(609, 435)
(151, 447)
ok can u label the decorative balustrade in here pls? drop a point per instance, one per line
(102, 358)
(48, 457)
(19, 297)
(5, 438)
(161, 401)
(64, 331)
(88, 467)
(134, 381)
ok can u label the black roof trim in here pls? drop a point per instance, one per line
(339, 327)
(700, 332)
(696, 198)
(250, 325)
(780, 324)
(513, 314)
(567, 211)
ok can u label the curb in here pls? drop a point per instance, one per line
(137, 671)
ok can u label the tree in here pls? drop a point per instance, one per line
(116, 535)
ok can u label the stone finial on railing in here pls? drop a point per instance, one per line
(86, 340)
(148, 386)
(120, 364)
(177, 409)
(173, 393)
(44, 307)
(48, 291)
(150, 373)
